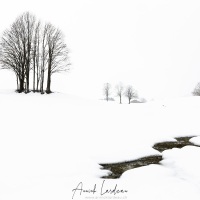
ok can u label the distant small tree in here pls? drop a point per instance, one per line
(107, 90)
(196, 91)
(130, 93)
(119, 91)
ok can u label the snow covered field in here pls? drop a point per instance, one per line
(52, 144)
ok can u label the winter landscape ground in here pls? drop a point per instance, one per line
(52, 144)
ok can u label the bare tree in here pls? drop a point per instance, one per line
(107, 90)
(57, 53)
(130, 93)
(16, 46)
(12, 52)
(196, 91)
(119, 91)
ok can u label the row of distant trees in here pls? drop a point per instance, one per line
(130, 93)
(120, 90)
(29, 47)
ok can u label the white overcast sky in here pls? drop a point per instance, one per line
(152, 45)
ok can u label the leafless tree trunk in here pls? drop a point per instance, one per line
(35, 53)
(43, 58)
(30, 28)
(38, 72)
(17, 82)
(119, 91)
(107, 91)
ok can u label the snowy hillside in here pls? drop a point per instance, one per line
(49, 144)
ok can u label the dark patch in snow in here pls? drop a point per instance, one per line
(117, 169)
(180, 143)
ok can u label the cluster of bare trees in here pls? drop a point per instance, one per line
(129, 92)
(30, 48)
